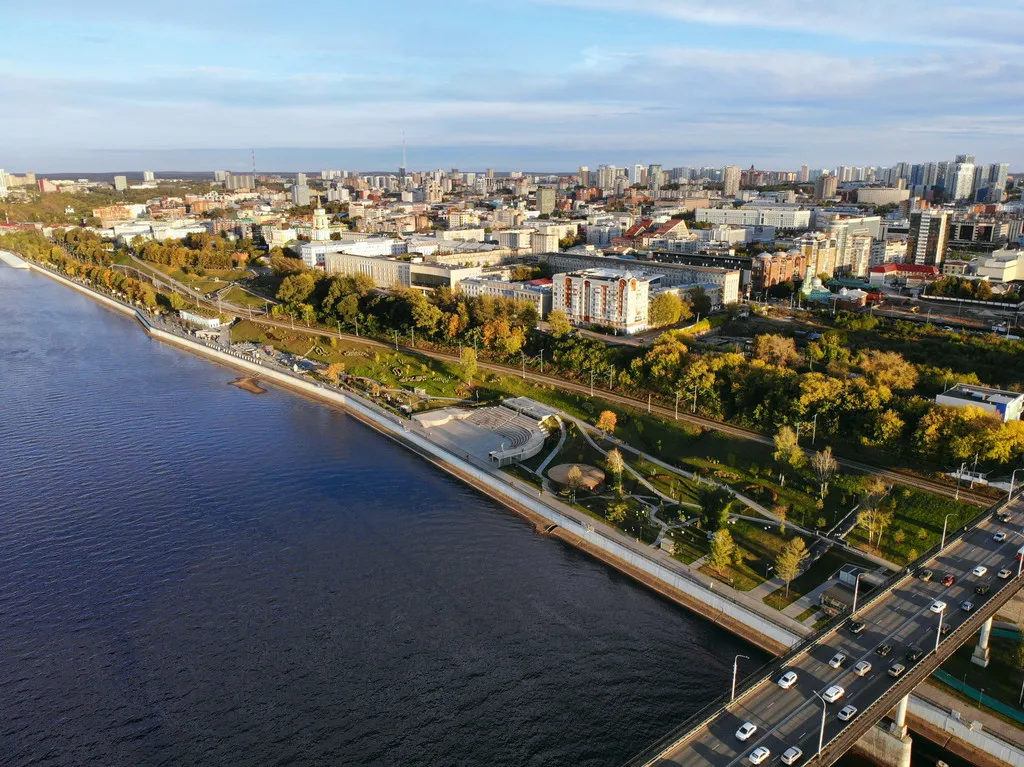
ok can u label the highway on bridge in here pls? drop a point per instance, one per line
(902, 619)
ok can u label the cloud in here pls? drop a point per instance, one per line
(908, 21)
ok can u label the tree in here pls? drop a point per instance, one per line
(787, 451)
(334, 372)
(665, 309)
(775, 350)
(790, 560)
(616, 465)
(607, 422)
(825, 467)
(574, 481)
(714, 507)
(617, 512)
(468, 367)
(700, 301)
(559, 323)
(723, 551)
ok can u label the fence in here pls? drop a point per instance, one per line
(985, 700)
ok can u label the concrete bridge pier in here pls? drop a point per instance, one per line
(892, 747)
(981, 652)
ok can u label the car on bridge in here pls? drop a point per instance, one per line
(759, 754)
(833, 693)
(948, 579)
(999, 537)
(862, 668)
(792, 755)
(787, 680)
(896, 670)
(925, 574)
(967, 606)
(982, 589)
(746, 730)
(979, 571)
(938, 607)
(1004, 573)
(848, 713)
(914, 654)
(837, 660)
(883, 649)
(857, 626)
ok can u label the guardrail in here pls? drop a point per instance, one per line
(680, 734)
(871, 715)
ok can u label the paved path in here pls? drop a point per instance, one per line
(556, 451)
(935, 693)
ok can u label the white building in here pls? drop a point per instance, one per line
(780, 218)
(731, 180)
(147, 176)
(300, 194)
(120, 183)
(386, 272)
(604, 297)
(1004, 405)
(515, 239)
(538, 295)
(544, 242)
(602, 233)
(1002, 266)
(3, 184)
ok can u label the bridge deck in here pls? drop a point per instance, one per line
(898, 615)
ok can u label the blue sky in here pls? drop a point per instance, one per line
(536, 85)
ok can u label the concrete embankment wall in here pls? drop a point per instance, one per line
(14, 261)
(977, 746)
(698, 596)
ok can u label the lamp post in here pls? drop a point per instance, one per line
(938, 631)
(824, 710)
(959, 475)
(735, 666)
(856, 592)
(945, 521)
(814, 432)
(677, 412)
(1009, 495)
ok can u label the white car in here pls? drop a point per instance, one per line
(744, 732)
(759, 754)
(837, 660)
(792, 755)
(862, 668)
(833, 693)
(938, 607)
(980, 570)
(848, 713)
(1004, 573)
(787, 680)
(1000, 537)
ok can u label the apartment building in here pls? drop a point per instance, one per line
(606, 297)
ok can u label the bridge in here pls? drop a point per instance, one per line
(902, 614)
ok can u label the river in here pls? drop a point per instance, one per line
(193, 574)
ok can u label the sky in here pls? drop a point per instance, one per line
(536, 85)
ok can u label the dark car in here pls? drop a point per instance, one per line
(982, 589)
(925, 574)
(914, 654)
(948, 579)
(856, 627)
(883, 649)
(946, 628)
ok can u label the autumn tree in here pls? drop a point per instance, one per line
(664, 309)
(616, 465)
(468, 366)
(574, 480)
(787, 450)
(558, 322)
(723, 551)
(607, 422)
(790, 560)
(825, 467)
(335, 371)
(775, 350)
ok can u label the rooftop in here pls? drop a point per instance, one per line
(972, 393)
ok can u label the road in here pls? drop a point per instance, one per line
(901, 619)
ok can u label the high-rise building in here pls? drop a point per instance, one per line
(300, 179)
(120, 183)
(731, 180)
(960, 181)
(147, 175)
(825, 187)
(3, 185)
(926, 242)
(545, 199)
(990, 182)
(583, 175)
(804, 174)
(606, 175)
(235, 181)
(220, 175)
(300, 194)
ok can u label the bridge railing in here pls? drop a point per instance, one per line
(679, 734)
(920, 672)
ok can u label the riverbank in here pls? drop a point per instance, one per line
(544, 516)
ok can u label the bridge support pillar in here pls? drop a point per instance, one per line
(981, 652)
(899, 721)
(886, 748)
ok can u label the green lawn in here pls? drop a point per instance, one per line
(918, 516)
(1000, 680)
(240, 297)
(822, 569)
(759, 549)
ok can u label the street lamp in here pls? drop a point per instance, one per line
(824, 710)
(856, 591)
(945, 521)
(959, 476)
(1009, 495)
(735, 666)
(938, 631)
(767, 569)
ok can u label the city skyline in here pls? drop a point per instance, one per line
(548, 85)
